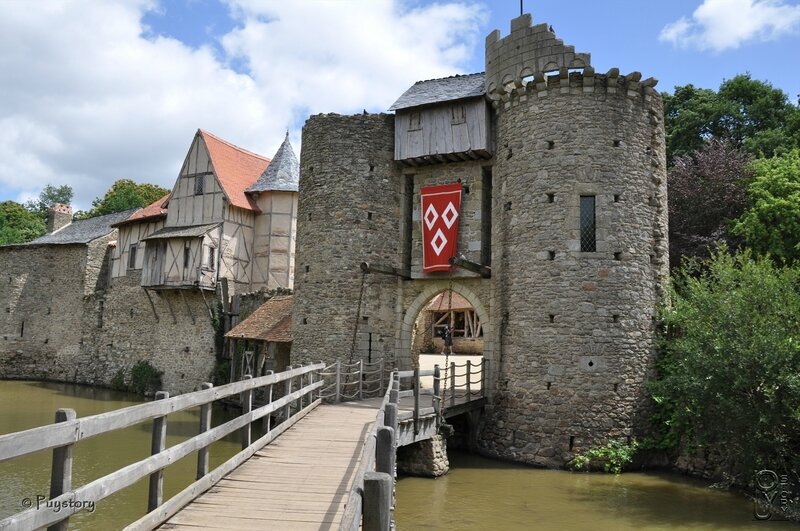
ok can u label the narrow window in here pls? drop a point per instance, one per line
(187, 256)
(414, 121)
(211, 258)
(199, 183)
(588, 240)
(132, 257)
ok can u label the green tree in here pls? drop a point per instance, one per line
(18, 224)
(729, 371)
(772, 222)
(749, 113)
(49, 196)
(123, 195)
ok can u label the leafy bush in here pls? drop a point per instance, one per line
(729, 373)
(145, 378)
(612, 457)
(118, 381)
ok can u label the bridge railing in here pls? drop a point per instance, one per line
(371, 496)
(353, 381)
(68, 430)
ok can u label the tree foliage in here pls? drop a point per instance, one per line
(18, 224)
(772, 223)
(49, 196)
(706, 192)
(729, 373)
(751, 114)
(123, 195)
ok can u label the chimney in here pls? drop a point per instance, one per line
(58, 215)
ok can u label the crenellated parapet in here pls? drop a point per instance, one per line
(526, 52)
(566, 82)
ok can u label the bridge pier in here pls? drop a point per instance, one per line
(426, 458)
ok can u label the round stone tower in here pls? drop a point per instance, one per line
(579, 246)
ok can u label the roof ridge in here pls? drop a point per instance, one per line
(234, 146)
(449, 77)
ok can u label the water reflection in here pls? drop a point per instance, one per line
(25, 405)
(480, 494)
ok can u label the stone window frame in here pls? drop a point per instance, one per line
(602, 221)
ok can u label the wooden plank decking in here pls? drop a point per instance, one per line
(299, 481)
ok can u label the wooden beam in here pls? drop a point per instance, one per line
(482, 270)
(366, 267)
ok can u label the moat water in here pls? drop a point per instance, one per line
(477, 494)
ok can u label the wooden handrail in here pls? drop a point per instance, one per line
(69, 432)
(89, 426)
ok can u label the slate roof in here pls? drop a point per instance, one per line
(83, 231)
(442, 89)
(155, 210)
(236, 169)
(283, 172)
(191, 231)
(441, 302)
(272, 321)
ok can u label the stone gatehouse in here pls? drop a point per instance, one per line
(563, 199)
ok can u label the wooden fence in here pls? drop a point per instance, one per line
(68, 430)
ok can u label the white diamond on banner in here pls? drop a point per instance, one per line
(438, 242)
(430, 217)
(450, 215)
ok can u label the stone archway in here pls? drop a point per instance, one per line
(404, 340)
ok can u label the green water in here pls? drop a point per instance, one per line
(25, 405)
(482, 494)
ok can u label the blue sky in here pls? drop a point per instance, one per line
(107, 89)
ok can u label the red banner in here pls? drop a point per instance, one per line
(441, 207)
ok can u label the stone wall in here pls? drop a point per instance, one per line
(426, 458)
(348, 213)
(576, 329)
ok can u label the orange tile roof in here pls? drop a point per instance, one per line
(156, 209)
(272, 321)
(236, 169)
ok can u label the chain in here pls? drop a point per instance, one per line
(447, 352)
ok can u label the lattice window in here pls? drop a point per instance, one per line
(588, 236)
(199, 184)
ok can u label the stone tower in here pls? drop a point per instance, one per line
(563, 172)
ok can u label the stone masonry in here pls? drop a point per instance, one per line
(569, 335)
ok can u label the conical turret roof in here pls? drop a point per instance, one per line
(283, 172)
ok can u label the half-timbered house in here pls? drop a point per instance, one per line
(231, 214)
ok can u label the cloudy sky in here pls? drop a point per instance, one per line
(98, 90)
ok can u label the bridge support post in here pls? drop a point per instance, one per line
(384, 451)
(205, 424)
(377, 501)
(247, 407)
(61, 473)
(159, 443)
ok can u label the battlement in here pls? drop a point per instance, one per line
(566, 82)
(527, 51)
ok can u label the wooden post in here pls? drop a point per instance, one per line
(361, 379)
(268, 418)
(377, 501)
(287, 411)
(469, 379)
(416, 400)
(232, 352)
(310, 383)
(380, 378)
(61, 472)
(384, 451)
(452, 384)
(205, 425)
(159, 443)
(437, 386)
(483, 376)
(247, 406)
(338, 381)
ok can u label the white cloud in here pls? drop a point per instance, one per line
(87, 99)
(719, 25)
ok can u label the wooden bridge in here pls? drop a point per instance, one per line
(320, 466)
